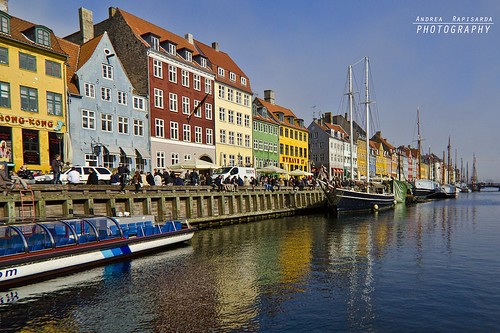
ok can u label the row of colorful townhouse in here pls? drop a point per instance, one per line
(330, 146)
(125, 90)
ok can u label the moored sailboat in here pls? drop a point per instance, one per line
(365, 197)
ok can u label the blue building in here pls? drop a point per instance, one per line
(108, 121)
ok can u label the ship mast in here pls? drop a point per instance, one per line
(419, 138)
(449, 160)
(351, 127)
(367, 109)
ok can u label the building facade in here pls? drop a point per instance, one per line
(32, 94)
(265, 138)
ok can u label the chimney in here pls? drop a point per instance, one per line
(4, 5)
(328, 118)
(269, 96)
(215, 46)
(189, 38)
(86, 24)
(111, 11)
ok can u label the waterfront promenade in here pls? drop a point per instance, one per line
(201, 205)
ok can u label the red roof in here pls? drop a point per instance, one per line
(274, 109)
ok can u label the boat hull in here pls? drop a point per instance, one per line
(27, 266)
(361, 201)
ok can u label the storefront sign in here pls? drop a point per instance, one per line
(293, 160)
(27, 121)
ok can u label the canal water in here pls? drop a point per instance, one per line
(431, 267)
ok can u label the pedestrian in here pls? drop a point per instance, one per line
(73, 176)
(56, 165)
(137, 181)
(115, 178)
(123, 171)
(24, 173)
(93, 179)
(158, 179)
(150, 179)
(195, 178)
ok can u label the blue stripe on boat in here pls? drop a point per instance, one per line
(117, 251)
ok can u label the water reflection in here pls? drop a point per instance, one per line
(354, 273)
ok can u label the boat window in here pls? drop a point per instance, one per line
(105, 227)
(61, 233)
(11, 241)
(38, 238)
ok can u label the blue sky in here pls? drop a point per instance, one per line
(301, 50)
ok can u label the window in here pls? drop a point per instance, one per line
(159, 128)
(197, 134)
(42, 37)
(222, 136)
(174, 130)
(185, 105)
(203, 62)
(4, 55)
(54, 104)
(173, 102)
(238, 97)
(157, 69)
(27, 61)
(222, 92)
(174, 158)
(4, 95)
(198, 110)
(172, 49)
(230, 116)
(31, 146)
(155, 43)
(208, 86)
(158, 98)
(160, 159)
(138, 127)
(29, 99)
(88, 119)
(89, 90)
(222, 114)
(107, 71)
(239, 117)
(122, 98)
(243, 81)
(232, 76)
(255, 144)
(247, 120)
(247, 140)
(189, 56)
(106, 94)
(196, 82)
(138, 103)
(172, 74)
(122, 125)
(230, 93)
(186, 132)
(239, 139)
(261, 145)
(52, 68)
(210, 136)
(4, 23)
(246, 100)
(208, 111)
(106, 122)
(185, 78)
(220, 71)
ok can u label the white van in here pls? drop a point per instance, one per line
(234, 171)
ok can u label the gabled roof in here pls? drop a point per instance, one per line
(336, 128)
(87, 49)
(221, 59)
(142, 27)
(270, 120)
(19, 27)
(274, 109)
(73, 52)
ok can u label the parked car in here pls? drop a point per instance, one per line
(103, 174)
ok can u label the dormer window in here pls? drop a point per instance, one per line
(4, 23)
(203, 62)
(232, 76)
(243, 81)
(189, 56)
(155, 43)
(220, 71)
(172, 49)
(43, 37)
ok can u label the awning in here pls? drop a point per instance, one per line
(112, 149)
(144, 153)
(129, 152)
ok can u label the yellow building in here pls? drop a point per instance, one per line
(361, 146)
(33, 98)
(293, 135)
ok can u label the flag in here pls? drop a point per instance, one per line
(198, 106)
